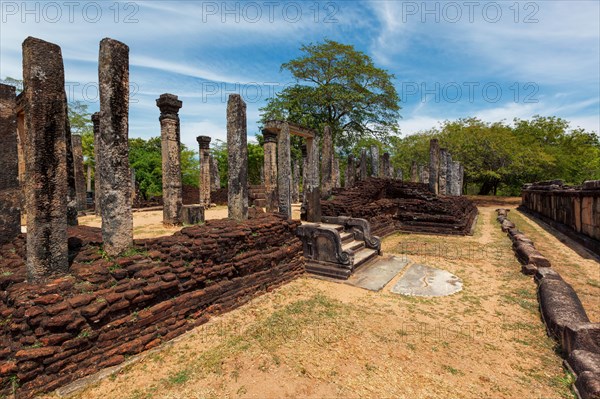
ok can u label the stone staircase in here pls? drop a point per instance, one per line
(337, 246)
(257, 196)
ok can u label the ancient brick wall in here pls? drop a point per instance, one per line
(391, 205)
(107, 309)
(577, 208)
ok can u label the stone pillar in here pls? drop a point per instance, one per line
(170, 105)
(284, 171)
(205, 183)
(350, 172)
(443, 171)
(270, 170)
(215, 177)
(374, 161)
(448, 173)
(237, 148)
(97, 156)
(399, 175)
(327, 155)
(133, 186)
(421, 174)
(426, 174)
(10, 192)
(296, 182)
(304, 169)
(363, 164)
(261, 172)
(434, 165)
(414, 173)
(312, 188)
(455, 185)
(385, 166)
(46, 186)
(21, 139)
(79, 172)
(461, 178)
(336, 173)
(113, 147)
(72, 203)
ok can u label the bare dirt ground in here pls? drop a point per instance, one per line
(319, 339)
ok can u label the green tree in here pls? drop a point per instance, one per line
(338, 86)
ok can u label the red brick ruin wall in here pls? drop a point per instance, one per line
(107, 309)
(392, 205)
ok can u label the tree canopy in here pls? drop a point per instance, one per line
(338, 86)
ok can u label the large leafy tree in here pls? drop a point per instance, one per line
(337, 85)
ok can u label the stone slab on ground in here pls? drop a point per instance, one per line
(378, 274)
(422, 280)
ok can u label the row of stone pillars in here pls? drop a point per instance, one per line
(442, 175)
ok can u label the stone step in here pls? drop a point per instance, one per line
(346, 236)
(353, 245)
(364, 256)
(328, 270)
(337, 227)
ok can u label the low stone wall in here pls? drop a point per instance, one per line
(562, 312)
(570, 209)
(107, 309)
(392, 205)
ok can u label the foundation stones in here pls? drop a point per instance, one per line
(10, 193)
(45, 156)
(113, 165)
(169, 106)
(237, 194)
(284, 172)
(434, 165)
(270, 169)
(205, 178)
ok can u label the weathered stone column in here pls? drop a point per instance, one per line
(205, 178)
(89, 179)
(312, 188)
(133, 186)
(399, 175)
(79, 172)
(363, 164)
(449, 174)
(296, 182)
(46, 159)
(10, 192)
(97, 156)
(72, 203)
(443, 171)
(21, 139)
(374, 161)
(350, 172)
(304, 150)
(215, 177)
(461, 178)
(421, 174)
(270, 170)
(385, 166)
(170, 105)
(426, 174)
(336, 173)
(414, 172)
(237, 148)
(262, 174)
(284, 171)
(455, 184)
(327, 177)
(113, 149)
(434, 165)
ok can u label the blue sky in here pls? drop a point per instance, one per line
(494, 60)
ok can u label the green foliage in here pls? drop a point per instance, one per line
(255, 160)
(499, 158)
(340, 87)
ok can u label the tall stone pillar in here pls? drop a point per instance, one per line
(79, 172)
(296, 182)
(363, 164)
(205, 178)
(434, 165)
(455, 183)
(21, 139)
(237, 148)
(426, 174)
(89, 179)
(113, 148)
(449, 174)
(46, 159)
(72, 203)
(312, 188)
(169, 105)
(374, 161)
(414, 172)
(399, 175)
(97, 156)
(385, 166)
(262, 174)
(10, 192)
(421, 174)
(461, 178)
(133, 187)
(284, 171)
(304, 169)
(336, 173)
(270, 170)
(327, 177)
(215, 177)
(350, 172)
(443, 171)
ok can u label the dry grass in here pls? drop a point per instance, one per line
(318, 339)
